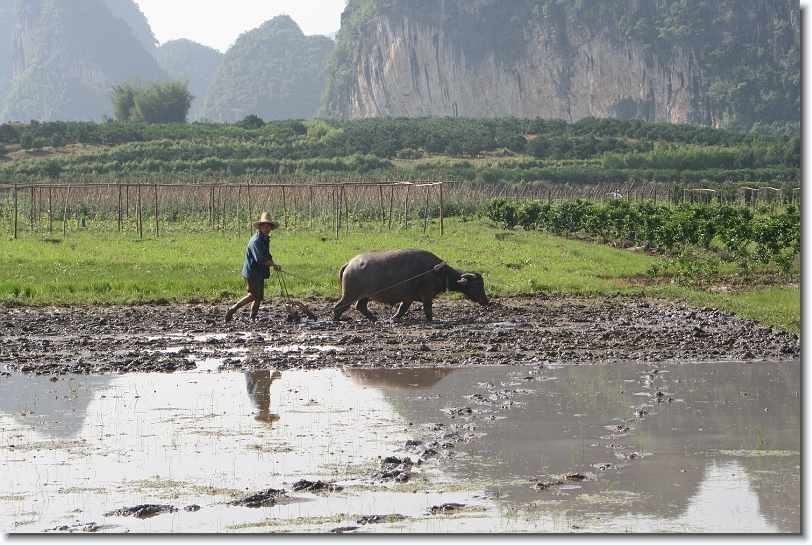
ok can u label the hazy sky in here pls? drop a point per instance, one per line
(217, 23)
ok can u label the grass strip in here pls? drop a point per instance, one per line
(187, 266)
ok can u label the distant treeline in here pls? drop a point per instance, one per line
(503, 150)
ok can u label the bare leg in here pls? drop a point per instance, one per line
(361, 306)
(255, 308)
(241, 303)
(404, 306)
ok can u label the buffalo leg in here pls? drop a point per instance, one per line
(340, 308)
(427, 308)
(361, 306)
(404, 306)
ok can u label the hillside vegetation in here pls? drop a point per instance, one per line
(273, 71)
(130, 13)
(197, 63)
(493, 151)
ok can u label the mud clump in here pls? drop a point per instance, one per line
(310, 486)
(263, 498)
(143, 511)
(519, 330)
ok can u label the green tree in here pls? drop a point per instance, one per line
(165, 101)
(123, 99)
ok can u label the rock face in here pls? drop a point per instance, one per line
(452, 58)
(66, 54)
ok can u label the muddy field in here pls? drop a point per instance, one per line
(94, 340)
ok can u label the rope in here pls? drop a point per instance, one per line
(437, 267)
(283, 288)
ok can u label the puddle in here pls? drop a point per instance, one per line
(595, 448)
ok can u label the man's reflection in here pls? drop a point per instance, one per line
(258, 384)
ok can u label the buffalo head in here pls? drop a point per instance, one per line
(473, 287)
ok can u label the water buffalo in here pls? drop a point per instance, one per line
(402, 276)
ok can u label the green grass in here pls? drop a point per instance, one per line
(88, 267)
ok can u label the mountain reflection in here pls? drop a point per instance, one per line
(398, 379)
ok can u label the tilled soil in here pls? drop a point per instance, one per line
(99, 339)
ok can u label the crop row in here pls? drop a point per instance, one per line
(746, 237)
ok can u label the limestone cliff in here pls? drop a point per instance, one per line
(66, 55)
(553, 60)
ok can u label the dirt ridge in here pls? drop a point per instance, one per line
(520, 330)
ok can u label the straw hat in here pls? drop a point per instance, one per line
(266, 218)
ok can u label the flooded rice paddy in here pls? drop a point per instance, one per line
(626, 447)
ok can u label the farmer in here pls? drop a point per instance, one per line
(257, 268)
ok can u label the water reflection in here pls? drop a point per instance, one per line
(59, 403)
(398, 379)
(258, 384)
(644, 433)
(678, 448)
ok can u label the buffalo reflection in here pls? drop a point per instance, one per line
(258, 384)
(398, 379)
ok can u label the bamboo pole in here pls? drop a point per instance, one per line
(119, 208)
(311, 209)
(295, 206)
(391, 203)
(33, 202)
(65, 213)
(383, 211)
(140, 216)
(211, 206)
(442, 231)
(426, 212)
(346, 210)
(337, 209)
(15, 210)
(284, 207)
(50, 209)
(223, 201)
(406, 208)
(155, 188)
(248, 198)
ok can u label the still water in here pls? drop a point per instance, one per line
(601, 448)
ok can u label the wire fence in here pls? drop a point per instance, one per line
(153, 207)
(333, 207)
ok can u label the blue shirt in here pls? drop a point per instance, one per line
(257, 253)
